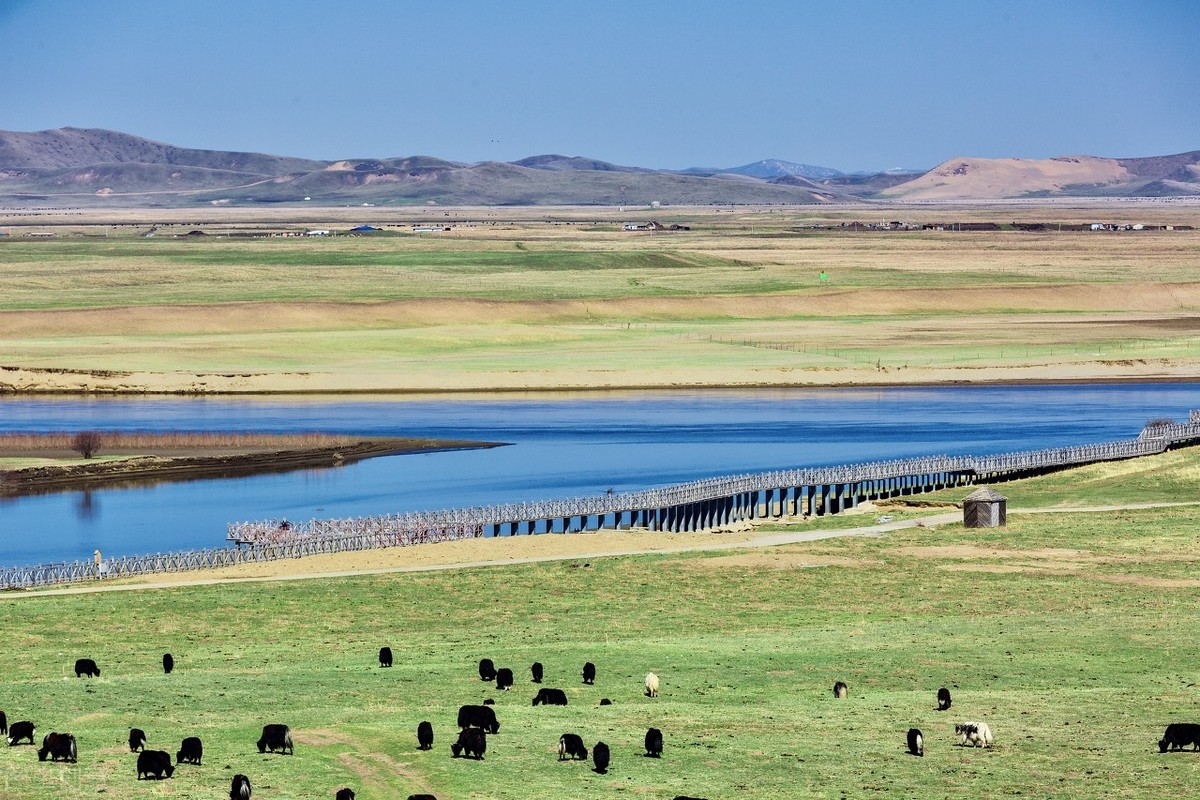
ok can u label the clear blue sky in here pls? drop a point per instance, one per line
(850, 85)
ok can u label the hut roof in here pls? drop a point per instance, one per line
(984, 495)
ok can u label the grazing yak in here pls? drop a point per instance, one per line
(943, 699)
(472, 741)
(190, 751)
(425, 735)
(58, 745)
(345, 793)
(977, 733)
(385, 656)
(20, 730)
(276, 737)
(654, 743)
(489, 702)
(1179, 735)
(137, 740)
(550, 697)
(168, 663)
(536, 669)
(916, 742)
(421, 797)
(840, 690)
(604, 701)
(487, 670)
(154, 762)
(3, 724)
(589, 673)
(570, 745)
(651, 685)
(240, 788)
(600, 758)
(85, 666)
(504, 678)
(478, 717)
(685, 797)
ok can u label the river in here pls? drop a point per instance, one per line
(561, 445)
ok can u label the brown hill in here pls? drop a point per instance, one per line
(1071, 176)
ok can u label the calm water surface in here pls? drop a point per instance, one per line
(560, 446)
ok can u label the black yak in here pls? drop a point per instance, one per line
(240, 788)
(550, 697)
(58, 745)
(536, 670)
(472, 741)
(478, 717)
(191, 750)
(1179, 735)
(86, 666)
(20, 730)
(425, 735)
(600, 757)
(916, 742)
(589, 673)
(276, 737)
(154, 762)
(570, 745)
(487, 670)
(654, 743)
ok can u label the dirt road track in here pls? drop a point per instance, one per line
(531, 550)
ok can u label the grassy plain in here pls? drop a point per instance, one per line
(518, 299)
(1073, 635)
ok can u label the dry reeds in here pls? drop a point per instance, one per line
(173, 440)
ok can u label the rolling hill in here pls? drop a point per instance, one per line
(77, 166)
(1067, 176)
(92, 167)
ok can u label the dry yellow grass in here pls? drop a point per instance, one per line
(561, 298)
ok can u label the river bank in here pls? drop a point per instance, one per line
(170, 464)
(32, 382)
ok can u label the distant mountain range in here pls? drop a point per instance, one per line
(92, 167)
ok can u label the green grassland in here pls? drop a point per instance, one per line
(736, 301)
(1073, 635)
(559, 263)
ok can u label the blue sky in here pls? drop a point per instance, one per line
(851, 85)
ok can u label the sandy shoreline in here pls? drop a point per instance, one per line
(20, 381)
(151, 468)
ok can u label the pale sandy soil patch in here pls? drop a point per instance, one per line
(321, 737)
(975, 552)
(1043, 567)
(469, 551)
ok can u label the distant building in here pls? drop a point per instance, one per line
(316, 233)
(984, 508)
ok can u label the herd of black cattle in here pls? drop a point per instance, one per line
(475, 722)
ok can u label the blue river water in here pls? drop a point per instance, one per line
(561, 445)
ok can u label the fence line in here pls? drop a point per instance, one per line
(272, 539)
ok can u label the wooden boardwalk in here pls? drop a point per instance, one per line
(694, 506)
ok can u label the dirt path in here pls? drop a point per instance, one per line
(476, 553)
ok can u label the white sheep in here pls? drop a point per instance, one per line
(977, 733)
(651, 685)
